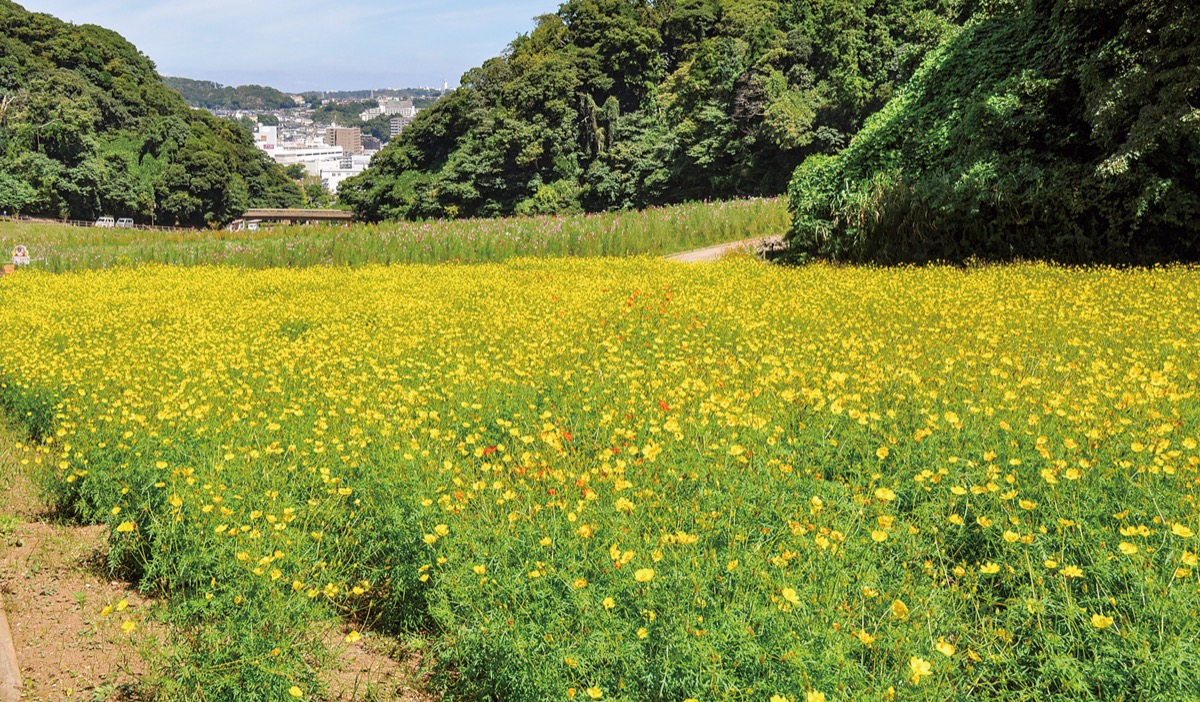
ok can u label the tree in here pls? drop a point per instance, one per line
(622, 103)
(1057, 129)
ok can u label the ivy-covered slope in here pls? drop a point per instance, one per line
(87, 128)
(622, 103)
(1060, 129)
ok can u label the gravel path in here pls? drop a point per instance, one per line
(714, 253)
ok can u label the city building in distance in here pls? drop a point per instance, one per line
(349, 138)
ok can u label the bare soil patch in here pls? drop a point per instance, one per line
(69, 619)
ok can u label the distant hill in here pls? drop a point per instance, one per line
(214, 96)
(88, 128)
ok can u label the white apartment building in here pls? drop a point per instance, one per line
(390, 106)
(333, 172)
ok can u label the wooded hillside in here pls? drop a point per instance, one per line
(1061, 129)
(88, 128)
(214, 96)
(622, 103)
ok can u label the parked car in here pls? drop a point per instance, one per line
(125, 223)
(106, 222)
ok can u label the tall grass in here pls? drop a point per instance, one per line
(661, 230)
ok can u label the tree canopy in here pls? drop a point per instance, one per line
(624, 103)
(1061, 129)
(88, 128)
(214, 96)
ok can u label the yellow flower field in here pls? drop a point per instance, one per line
(637, 480)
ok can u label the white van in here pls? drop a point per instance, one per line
(106, 222)
(125, 223)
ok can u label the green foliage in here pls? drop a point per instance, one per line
(1064, 130)
(214, 96)
(87, 128)
(655, 231)
(344, 114)
(610, 104)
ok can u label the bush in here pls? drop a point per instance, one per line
(1060, 130)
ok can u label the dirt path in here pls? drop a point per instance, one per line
(71, 647)
(54, 591)
(714, 253)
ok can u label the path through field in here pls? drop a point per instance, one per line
(54, 589)
(69, 645)
(714, 253)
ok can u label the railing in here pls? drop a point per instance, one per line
(92, 223)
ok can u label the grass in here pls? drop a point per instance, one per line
(655, 231)
(637, 480)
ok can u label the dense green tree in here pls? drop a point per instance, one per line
(88, 128)
(1064, 129)
(623, 103)
(214, 96)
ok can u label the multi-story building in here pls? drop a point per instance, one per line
(401, 107)
(349, 138)
(398, 124)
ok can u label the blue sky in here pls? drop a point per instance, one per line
(311, 44)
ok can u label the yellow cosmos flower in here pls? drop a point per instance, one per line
(920, 668)
(943, 647)
(643, 633)
(609, 603)
(1100, 621)
(1182, 531)
(644, 575)
(295, 691)
(353, 636)
(580, 583)
(595, 692)
(790, 595)
(1190, 559)
(879, 535)
(885, 494)
(441, 529)
(430, 539)
(1127, 548)
(900, 610)
(479, 569)
(126, 527)
(814, 696)
(864, 637)
(989, 568)
(128, 627)
(881, 452)
(1072, 571)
